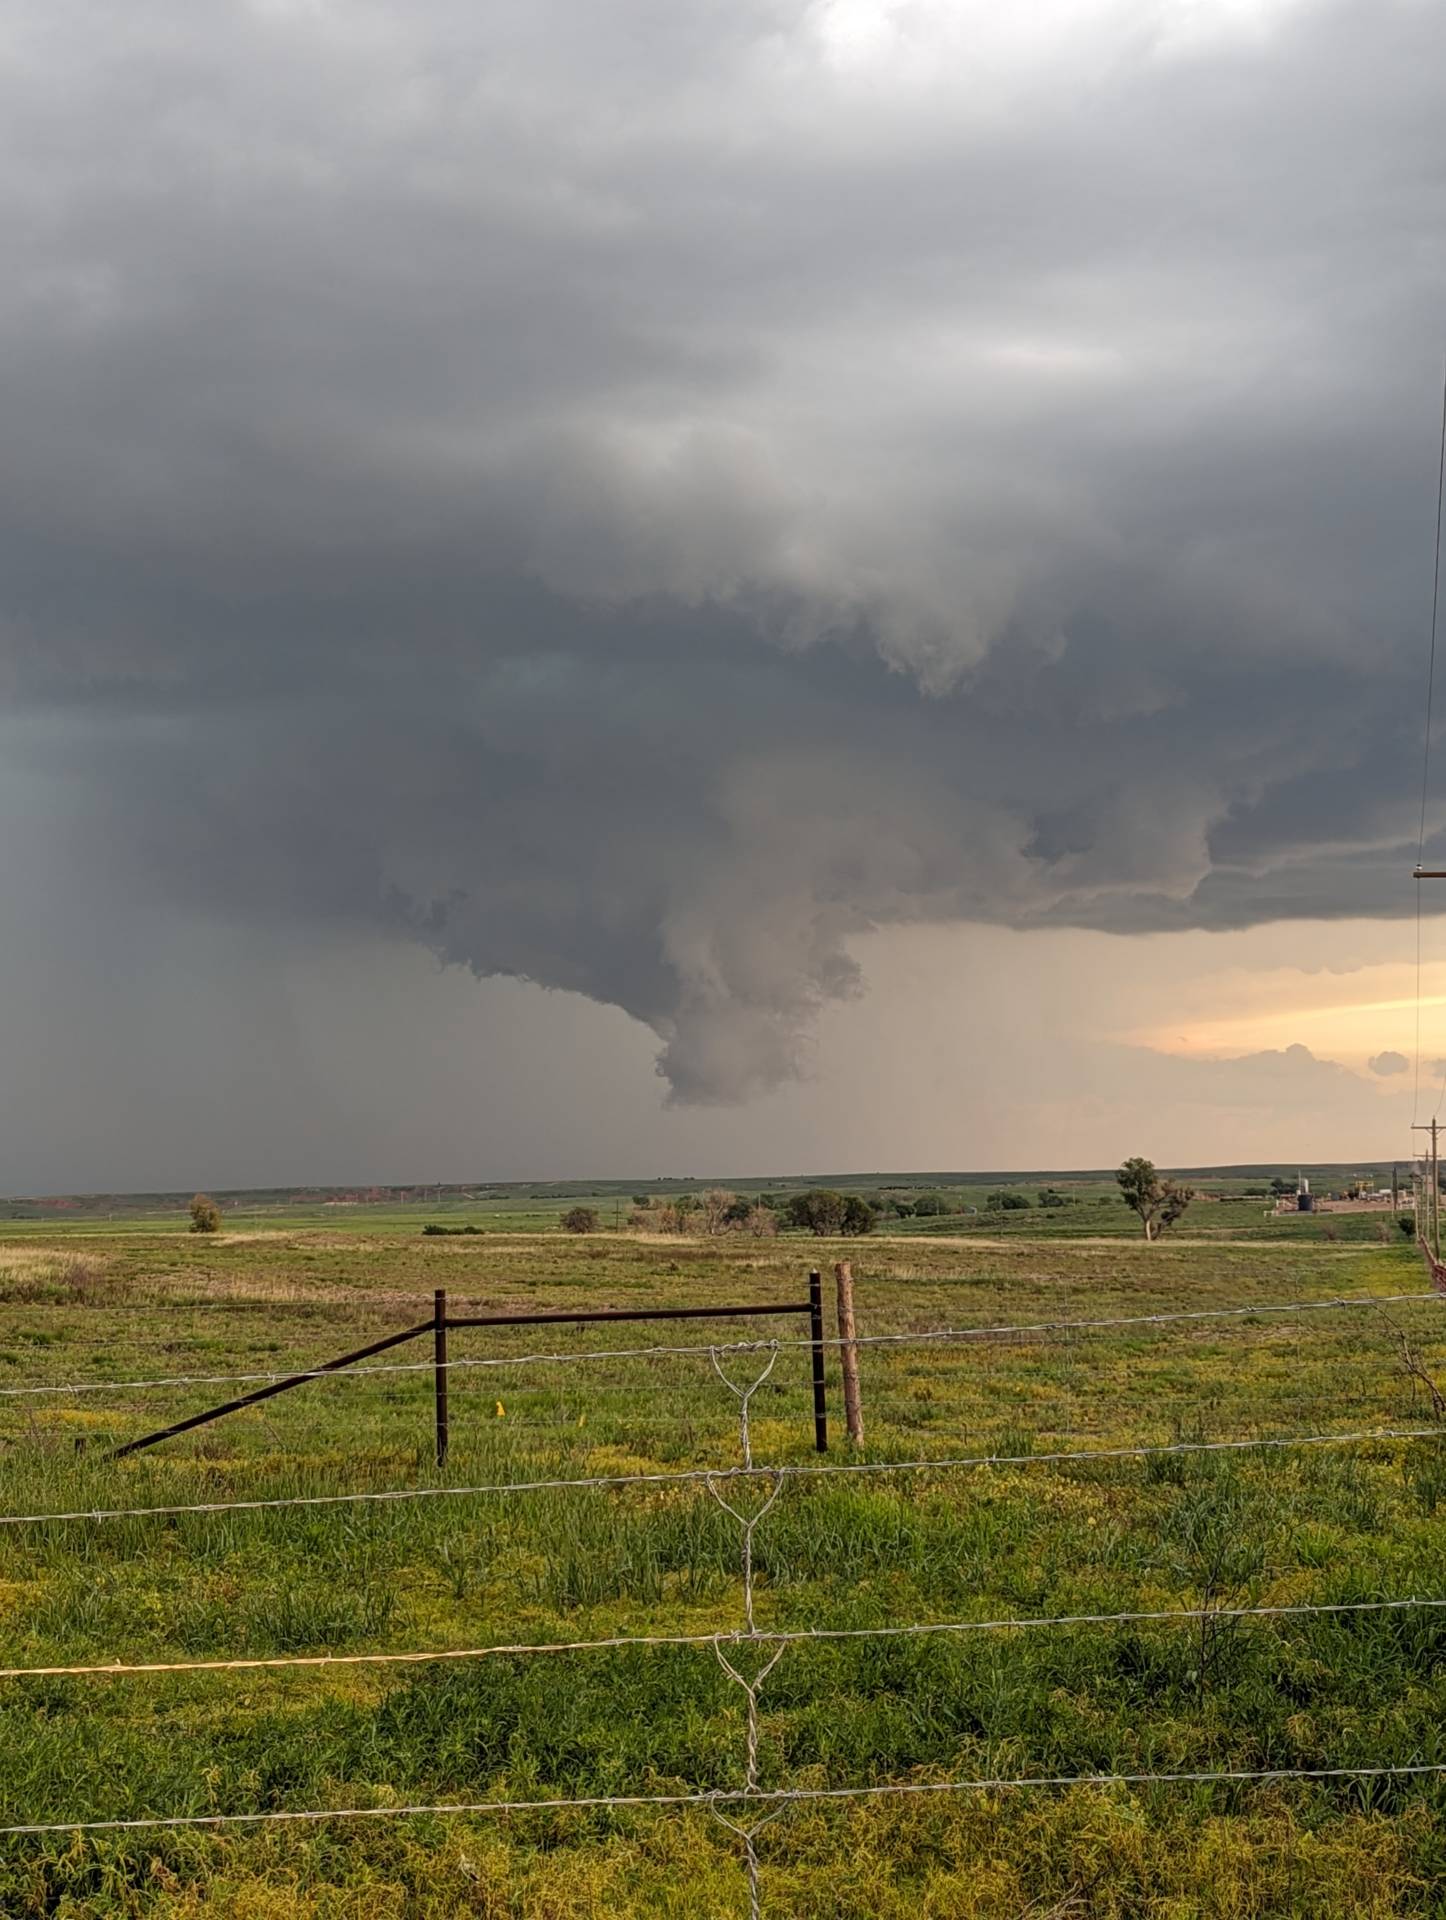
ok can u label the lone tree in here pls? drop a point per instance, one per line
(580, 1220)
(205, 1214)
(1158, 1199)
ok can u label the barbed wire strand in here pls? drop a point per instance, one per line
(757, 1636)
(924, 1337)
(733, 1796)
(699, 1475)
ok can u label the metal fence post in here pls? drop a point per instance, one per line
(815, 1327)
(439, 1356)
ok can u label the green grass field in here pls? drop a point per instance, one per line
(117, 1302)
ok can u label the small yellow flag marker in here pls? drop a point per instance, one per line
(501, 1410)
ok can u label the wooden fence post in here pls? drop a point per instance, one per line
(848, 1352)
(439, 1363)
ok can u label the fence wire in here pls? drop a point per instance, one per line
(926, 1337)
(722, 1476)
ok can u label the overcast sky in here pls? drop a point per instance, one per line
(686, 585)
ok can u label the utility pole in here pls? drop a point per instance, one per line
(1433, 1180)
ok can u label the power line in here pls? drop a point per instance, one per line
(731, 1796)
(718, 1476)
(759, 1636)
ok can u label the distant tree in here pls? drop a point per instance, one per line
(580, 1220)
(762, 1222)
(1001, 1202)
(929, 1206)
(1280, 1186)
(1052, 1197)
(1157, 1199)
(819, 1211)
(858, 1215)
(714, 1206)
(205, 1214)
(902, 1209)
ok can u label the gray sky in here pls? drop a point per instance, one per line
(665, 586)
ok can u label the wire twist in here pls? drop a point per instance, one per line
(747, 1523)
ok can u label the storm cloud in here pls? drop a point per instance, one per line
(632, 498)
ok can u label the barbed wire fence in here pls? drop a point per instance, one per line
(748, 1655)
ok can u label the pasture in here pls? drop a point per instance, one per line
(1038, 1539)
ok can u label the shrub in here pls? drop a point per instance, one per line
(205, 1214)
(929, 1206)
(580, 1220)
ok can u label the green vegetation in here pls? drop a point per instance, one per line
(1171, 1531)
(1001, 1201)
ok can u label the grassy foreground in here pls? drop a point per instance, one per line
(1046, 1538)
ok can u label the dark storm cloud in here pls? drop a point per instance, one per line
(631, 497)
